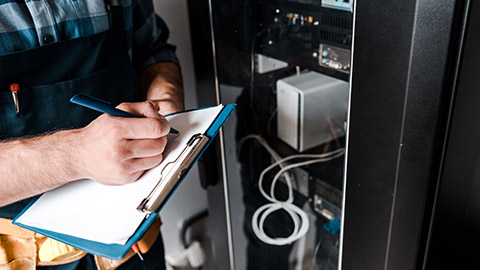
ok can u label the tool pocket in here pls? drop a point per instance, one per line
(16, 252)
(18, 264)
(46, 108)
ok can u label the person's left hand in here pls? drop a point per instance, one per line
(165, 107)
(162, 85)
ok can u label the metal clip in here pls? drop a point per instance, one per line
(170, 178)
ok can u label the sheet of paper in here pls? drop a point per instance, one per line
(104, 213)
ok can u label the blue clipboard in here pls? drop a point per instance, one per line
(116, 251)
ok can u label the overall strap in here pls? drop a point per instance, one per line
(115, 9)
(112, 3)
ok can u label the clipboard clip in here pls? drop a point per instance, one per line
(171, 177)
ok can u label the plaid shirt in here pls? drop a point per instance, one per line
(29, 24)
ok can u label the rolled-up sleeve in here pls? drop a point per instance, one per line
(150, 35)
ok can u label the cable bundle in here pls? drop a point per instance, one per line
(299, 217)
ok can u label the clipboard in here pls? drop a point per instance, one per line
(175, 171)
(151, 204)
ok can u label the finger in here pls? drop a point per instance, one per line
(146, 147)
(135, 176)
(166, 107)
(143, 164)
(141, 128)
(145, 109)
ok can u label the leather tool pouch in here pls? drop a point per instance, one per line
(144, 245)
(19, 248)
(24, 249)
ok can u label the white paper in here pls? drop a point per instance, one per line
(108, 214)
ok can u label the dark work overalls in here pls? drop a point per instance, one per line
(48, 77)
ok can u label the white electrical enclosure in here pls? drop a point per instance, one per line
(311, 109)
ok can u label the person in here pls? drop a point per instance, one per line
(51, 50)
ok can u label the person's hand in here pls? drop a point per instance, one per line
(118, 150)
(165, 107)
(162, 84)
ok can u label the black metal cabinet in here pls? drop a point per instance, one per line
(411, 167)
(254, 44)
(453, 239)
(404, 62)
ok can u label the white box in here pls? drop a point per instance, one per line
(304, 102)
(264, 64)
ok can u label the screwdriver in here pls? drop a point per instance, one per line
(137, 251)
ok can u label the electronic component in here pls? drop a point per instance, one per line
(338, 4)
(311, 109)
(334, 29)
(327, 199)
(295, 18)
(264, 64)
(334, 58)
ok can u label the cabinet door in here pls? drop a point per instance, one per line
(286, 64)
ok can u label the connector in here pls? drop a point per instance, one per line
(193, 255)
(333, 226)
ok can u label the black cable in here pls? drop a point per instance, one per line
(189, 222)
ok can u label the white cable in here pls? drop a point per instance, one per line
(320, 158)
(292, 210)
(298, 215)
(267, 147)
(262, 141)
(334, 154)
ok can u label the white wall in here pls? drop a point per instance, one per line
(175, 14)
(189, 198)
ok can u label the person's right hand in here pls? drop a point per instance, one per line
(118, 150)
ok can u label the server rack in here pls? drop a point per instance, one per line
(409, 80)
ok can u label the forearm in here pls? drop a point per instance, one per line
(110, 150)
(32, 166)
(162, 82)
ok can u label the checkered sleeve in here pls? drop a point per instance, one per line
(150, 35)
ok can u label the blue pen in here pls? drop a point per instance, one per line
(104, 107)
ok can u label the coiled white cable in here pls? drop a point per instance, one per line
(299, 217)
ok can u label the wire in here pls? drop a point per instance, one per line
(269, 122)
(299, 217)
(287, 205)
(340, 125)
(292, 210)
(320, 158)
(332, 130)
(262, 141)
(317, 248)
(267, 147)
(188, 222)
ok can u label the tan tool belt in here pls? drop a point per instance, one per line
(24, 249)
